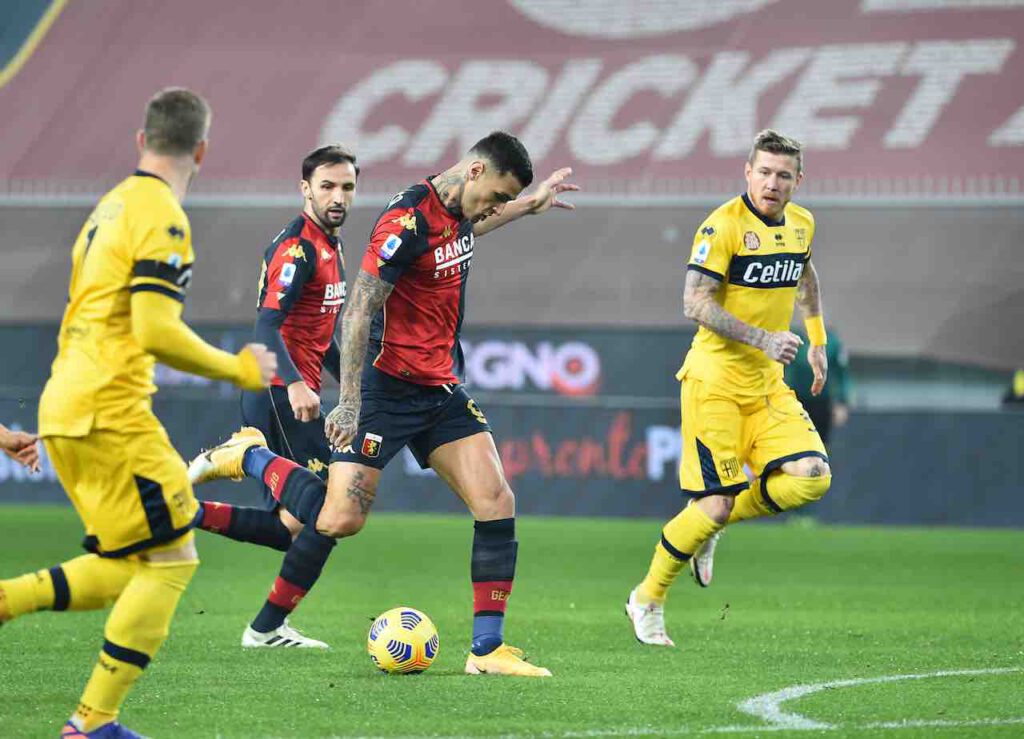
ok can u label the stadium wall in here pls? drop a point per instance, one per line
(920, 282)
(586, 422)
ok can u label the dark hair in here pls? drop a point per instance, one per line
(774, 142)
(330, 154)
(176, 121)
(507, 153)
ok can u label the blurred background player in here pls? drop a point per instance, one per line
(401, 374)
(20, 446)
(301, 292)
(1014, 395)
(751, 259)
(830, 408)
(131, 267)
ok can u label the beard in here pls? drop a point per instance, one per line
(328, 219)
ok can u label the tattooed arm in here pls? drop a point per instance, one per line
(544, 198)
(367, 298)
(699, 305)
(808, 298)
(808, 292)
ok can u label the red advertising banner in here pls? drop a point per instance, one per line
(644, 98)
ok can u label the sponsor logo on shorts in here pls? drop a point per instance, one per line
(371, 445)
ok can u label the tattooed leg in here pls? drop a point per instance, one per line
(351, 489)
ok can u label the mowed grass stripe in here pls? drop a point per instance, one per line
(790, 605)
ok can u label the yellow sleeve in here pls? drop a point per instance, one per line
(162, 254)
(714, 246)
(157, 326)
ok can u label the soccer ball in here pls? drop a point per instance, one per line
(402, 640)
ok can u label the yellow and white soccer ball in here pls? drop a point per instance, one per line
(402, 640)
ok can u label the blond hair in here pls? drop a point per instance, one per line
(774, 142)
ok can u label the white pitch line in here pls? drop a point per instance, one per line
(768, 707)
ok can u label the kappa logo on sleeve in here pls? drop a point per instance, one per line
(295, 251)
(390, 246)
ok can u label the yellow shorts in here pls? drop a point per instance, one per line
(722, 432)
(130, 490)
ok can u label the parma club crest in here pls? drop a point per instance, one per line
(751, 241)
(371, 445)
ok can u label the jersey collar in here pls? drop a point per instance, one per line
(332, 240)
(144, 173)
(761, 217)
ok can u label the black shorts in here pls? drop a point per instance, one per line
(305, 443)
(396, 413)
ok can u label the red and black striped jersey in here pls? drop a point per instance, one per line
(303, 277)
(425, 252)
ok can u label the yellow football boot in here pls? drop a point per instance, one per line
(225, 460)
(504, 660)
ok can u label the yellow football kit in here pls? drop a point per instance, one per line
(736, 408)
(112, 455)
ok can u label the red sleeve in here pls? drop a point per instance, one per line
(292, 264)
(398, 240)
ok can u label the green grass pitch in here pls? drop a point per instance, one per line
(792, 605)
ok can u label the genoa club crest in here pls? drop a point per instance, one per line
(371, 445)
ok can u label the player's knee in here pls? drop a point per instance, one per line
(717, 507)
(808, 467)
(339, 524)
(493, 501)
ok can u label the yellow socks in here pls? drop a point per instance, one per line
(778, 492)
(25, 594)
(138, 625)
(680, 538)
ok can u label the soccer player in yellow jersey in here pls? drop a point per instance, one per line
(130, 269)
(751, 261)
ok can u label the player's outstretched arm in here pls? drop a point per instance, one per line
(808, 299)
(699, 305)
(159, 330)
(20, 446)
(544, 198)
(368, 296)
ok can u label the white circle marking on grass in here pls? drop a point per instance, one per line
(768, 707)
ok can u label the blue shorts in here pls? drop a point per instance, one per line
(395, 413)
(305, 443)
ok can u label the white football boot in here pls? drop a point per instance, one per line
(648, 622)
(702, 563)
(283, 636)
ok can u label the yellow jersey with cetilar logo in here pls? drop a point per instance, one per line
(137, 238)
(759, 262)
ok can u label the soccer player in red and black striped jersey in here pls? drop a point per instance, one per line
(401, 375)
(301, 292)
(402, 370)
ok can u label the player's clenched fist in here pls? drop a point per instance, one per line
(265, 359)
(781, 345)
(305, 403)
